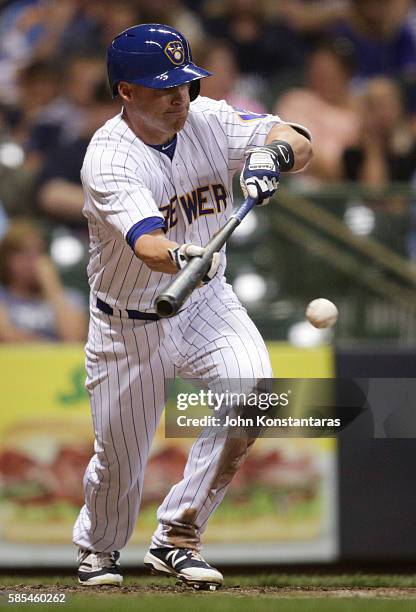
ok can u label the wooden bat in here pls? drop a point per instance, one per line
(168, 303)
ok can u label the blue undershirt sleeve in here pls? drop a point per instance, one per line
(143, 227)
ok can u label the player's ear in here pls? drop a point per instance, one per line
(125, 90)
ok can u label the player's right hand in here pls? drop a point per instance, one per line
(181, 255)
(260, 176)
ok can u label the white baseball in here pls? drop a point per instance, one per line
(322, 313)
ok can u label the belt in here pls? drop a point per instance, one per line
(131, 314)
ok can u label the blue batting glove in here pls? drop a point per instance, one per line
(259, 178)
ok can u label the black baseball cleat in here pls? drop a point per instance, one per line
(96, 569)
(185, 564)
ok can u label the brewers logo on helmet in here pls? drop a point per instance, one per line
(174, 51)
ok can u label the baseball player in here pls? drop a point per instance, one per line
(158, 184)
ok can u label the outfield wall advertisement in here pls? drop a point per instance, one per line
(280, 507)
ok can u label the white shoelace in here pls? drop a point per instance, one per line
(197, 556)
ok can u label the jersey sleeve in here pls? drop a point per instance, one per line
(115, 193)
(244, 129)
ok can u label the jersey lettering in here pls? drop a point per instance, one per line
(189, 203)
(169, 213)
(203, 200)
(220, 196)
(195, 204)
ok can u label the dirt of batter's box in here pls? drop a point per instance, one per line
(229, 590)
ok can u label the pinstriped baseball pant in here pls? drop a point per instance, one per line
(127, 363)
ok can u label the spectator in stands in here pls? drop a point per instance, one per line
(65, 117)
(382, 40)
(116, 16)
(385, 153)
(16, 46)
(32, 30)
(56, 20)
(325, 105)
(411, 17)
(106, 18)
(17, 187)
(262, 45)
(312, 17)
(224, 84)
(38, 87)
(34, 306)
(176, 14)
(386, 148)
(59, 190)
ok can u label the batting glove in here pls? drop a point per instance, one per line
(181, 255)
(260, 176)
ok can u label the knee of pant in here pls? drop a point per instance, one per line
(104, 462)
(110, 456)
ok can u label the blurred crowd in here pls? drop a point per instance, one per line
(344, 68)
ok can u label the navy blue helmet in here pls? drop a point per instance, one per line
(155, 56)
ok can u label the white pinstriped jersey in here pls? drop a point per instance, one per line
(126, 181)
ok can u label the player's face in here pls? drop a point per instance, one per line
(156, 114)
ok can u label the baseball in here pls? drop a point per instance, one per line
(322, 313)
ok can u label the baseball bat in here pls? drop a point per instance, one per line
(168, 303)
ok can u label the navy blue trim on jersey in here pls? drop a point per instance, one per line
(247, 115)
(167, 148)
(143, 227)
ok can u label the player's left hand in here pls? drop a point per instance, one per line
(181, 255)
(260, 176)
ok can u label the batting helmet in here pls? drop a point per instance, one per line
(155, 56)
